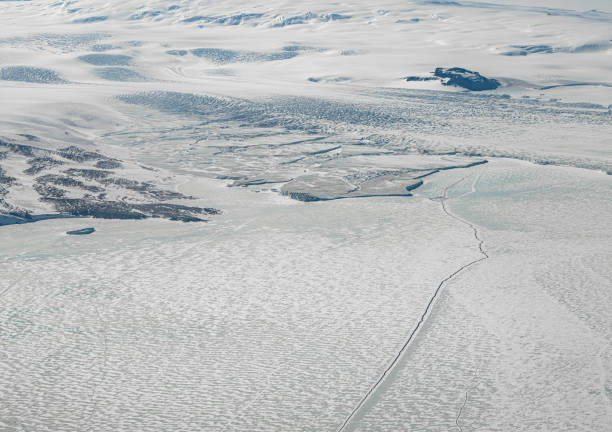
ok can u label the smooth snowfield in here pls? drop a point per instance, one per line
(296, 225)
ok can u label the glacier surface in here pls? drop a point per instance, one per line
(291, 226)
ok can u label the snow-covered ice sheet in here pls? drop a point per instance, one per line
(268, 319)
(522, 340)
(467, 288)
(281, 314)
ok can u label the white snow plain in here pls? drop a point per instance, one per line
(390, 254)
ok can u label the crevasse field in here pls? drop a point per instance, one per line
(300, 223)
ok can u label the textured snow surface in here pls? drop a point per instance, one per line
(280, 315)
(382, 252)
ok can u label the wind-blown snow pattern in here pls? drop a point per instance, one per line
(305, 216)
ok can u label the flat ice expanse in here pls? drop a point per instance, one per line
(280, 315)
(380, 254)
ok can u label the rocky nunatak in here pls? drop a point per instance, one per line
(459, 77)
(74, 181)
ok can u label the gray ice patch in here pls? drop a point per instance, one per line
(184, 103)
(91, 19)
(103, 47)
(301, 48)
(119, 74)
(307, 17)
(230, 20)
(334, 17)
(225, 56)
(297, 19)
(144, 14)
(30, 74)
(329, 79)
(591, 47)
(55, 41)
(106, 59)
(523, 50)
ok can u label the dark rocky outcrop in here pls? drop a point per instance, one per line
(5, 179)
(466, 78)
(79, 155)
(39, 164)
(144, 188)
(20, 149)
(82, 231)
(29, 137)
(91, 174)
(65, 181)
(82, 186)
(125, 210)
(303, 196)
(49, 191)
(108, 164)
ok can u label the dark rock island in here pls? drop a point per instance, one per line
(466, 78)
(459, 77)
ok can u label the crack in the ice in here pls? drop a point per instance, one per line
(461, 411)
(466, 400)
(428, 307)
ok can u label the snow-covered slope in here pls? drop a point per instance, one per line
(528, 47)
